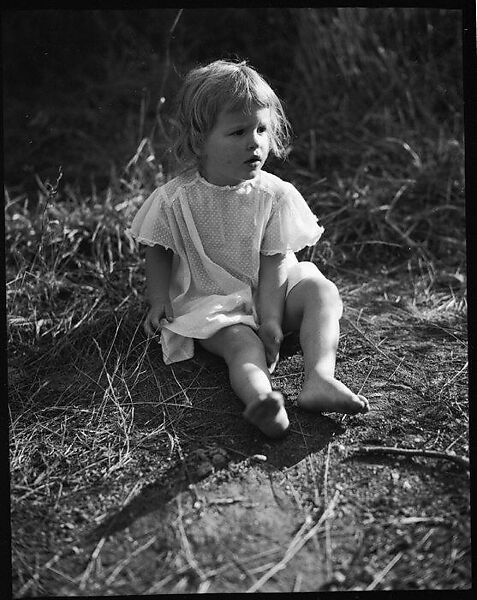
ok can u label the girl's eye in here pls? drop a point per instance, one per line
(238, 132)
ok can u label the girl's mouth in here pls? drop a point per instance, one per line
(253, 162)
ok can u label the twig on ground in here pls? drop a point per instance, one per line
(455, 441)
(297, 584)
(36, 576)
(123, 563)
(366, 379)
(242, 567)
(158, 585)
(251, 558)
(292, 430)
(382, 574)
(328, 550)
(453, 378)
(194, 565)
(309, 459)
(83, 580)
(395, 370)
(460, 460)
(370, 341)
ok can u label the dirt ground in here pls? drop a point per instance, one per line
(216, 507)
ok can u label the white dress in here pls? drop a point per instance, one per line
(217, 234)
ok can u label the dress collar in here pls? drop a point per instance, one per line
(242, 185)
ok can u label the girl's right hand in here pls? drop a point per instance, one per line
(270, 332)
(157, 312)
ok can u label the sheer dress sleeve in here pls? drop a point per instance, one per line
(291, 225)
(152, 223)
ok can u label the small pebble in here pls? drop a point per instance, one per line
(259, 457)
(339, 577)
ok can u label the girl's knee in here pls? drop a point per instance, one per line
(319, 289)
(238, 339)
(328, 294)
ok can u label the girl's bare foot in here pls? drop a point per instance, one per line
(321, 394)
(268, 414)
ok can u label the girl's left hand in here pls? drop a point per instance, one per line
(271, 334)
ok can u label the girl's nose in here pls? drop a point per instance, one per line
(253, 141)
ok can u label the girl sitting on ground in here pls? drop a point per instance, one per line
(220, 242)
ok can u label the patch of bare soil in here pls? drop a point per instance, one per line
(220, 508)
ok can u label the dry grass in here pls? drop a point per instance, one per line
(96, 418)
(82, 428)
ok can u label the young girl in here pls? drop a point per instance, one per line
(220, 240)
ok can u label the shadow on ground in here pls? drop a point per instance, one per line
(207, 503)
(212, 438)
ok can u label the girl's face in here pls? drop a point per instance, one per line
(236, 147)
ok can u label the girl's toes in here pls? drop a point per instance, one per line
(269, 415)
(365, 404)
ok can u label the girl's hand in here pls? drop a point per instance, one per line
(270, 332)
(157, 312)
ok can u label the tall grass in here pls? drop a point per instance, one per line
(374, 96)
(378, 112)
(66, 262)
(379, 70)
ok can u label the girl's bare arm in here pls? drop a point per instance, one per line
(158, 274)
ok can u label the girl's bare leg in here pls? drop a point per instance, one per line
(244, 354)
(313, 307)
